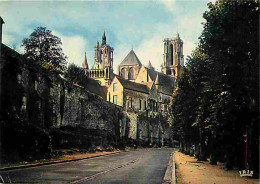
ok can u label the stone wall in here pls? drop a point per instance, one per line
(32, 94)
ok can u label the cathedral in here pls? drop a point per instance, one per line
(102, 69)
(138, 88)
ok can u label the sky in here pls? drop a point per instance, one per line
(141, 25)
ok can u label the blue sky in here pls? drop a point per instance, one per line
(80, 24)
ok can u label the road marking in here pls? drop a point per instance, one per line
(103, 172)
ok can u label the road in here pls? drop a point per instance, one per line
(139, 166)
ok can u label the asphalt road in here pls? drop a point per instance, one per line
(139, 166)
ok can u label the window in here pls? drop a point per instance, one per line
(144, 105)
(114, 87)
(123, 73)
(140, 104)
(131, 73)
(130, 102)
(109, 97)
(115, 99)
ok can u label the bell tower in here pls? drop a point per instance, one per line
(102, 69)
(173, 59)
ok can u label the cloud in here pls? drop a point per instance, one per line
(169, 4)
(73, 47)
(152, 50)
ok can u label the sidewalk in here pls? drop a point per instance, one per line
(189, 170)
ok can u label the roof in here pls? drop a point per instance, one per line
(7, 52)
(152, 73)
(166, 82)
(150, 66)
(133, 85)
(165, 79)
(94, 87)
(130, 59)
(148, 84)
(162, 78)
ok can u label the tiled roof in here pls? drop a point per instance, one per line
(133, 85)
(162, 78)
(131, 59)
(165, 79)
(152, 73)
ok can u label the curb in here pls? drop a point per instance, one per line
(174, 178)
(53, 162)
(167, 179)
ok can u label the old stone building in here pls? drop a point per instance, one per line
(130, 66)
(143, 93)
(173, 59)
(102, 69)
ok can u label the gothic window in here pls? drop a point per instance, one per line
(123, 73)
(115, 99)
(144, 105)
(131, 73)
(140, 104)
(171, 52)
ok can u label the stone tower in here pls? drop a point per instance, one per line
(102, 69)
(173, 60)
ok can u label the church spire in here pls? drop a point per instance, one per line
(85, 62)
(177, 36)
(150, 66)
(104, 39)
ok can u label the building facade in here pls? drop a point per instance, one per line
(143, 93)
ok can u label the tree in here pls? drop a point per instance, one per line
(75, 74)
(231, 39)
(44, 48)
(222, 74)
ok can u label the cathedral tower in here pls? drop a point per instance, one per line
(173, 56)
(102, 69)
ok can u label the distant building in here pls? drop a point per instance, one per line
(102, 69)
(138, 88)
(173, 60)
(130, 66)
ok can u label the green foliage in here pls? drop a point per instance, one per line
(75, 74)
(44, 48)
(217, 96)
